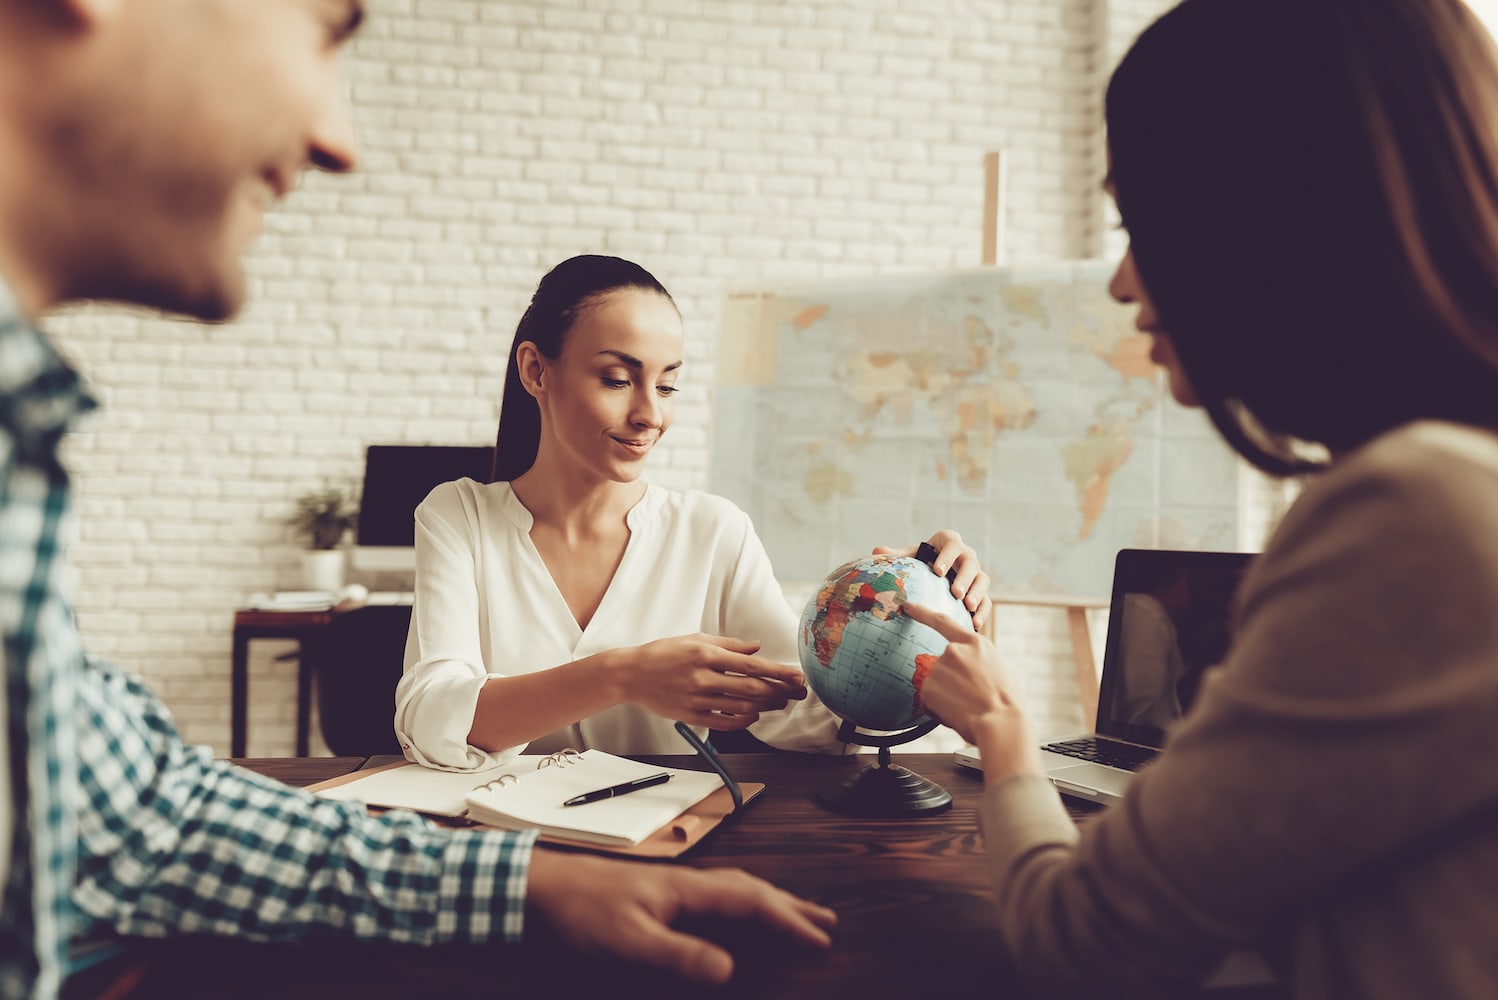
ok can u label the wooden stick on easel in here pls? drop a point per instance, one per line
(1083, 663)
(1079, 631)
(993, 209)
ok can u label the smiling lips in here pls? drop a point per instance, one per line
(634, 447)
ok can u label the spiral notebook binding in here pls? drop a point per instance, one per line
(565, 757)
(499, 782)
(562, 758)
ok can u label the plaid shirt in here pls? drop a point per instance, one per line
(152, 836)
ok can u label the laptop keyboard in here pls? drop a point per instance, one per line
(1125, 756)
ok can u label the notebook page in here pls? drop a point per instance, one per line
(535, 799)
(424, 789)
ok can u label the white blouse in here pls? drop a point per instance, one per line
(487, 606)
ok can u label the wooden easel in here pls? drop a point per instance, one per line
(1084, 664)
(993, 209)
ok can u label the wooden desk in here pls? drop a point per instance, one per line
(914, 908)
(299, 772)
(252, 624)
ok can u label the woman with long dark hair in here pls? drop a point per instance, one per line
(1311, 193)
(570, 603)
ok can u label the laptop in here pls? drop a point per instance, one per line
(1168, 621)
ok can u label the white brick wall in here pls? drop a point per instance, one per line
(716, 141)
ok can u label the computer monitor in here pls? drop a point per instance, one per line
(397, 477)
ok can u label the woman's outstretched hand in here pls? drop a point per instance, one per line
(969, 582)
(971, 690)
(709, 680)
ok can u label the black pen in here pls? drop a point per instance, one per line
(624, 789)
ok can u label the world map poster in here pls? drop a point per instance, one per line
(1016, 405)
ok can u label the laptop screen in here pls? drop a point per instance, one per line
(1168, 621)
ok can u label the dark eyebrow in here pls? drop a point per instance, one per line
(633, 362)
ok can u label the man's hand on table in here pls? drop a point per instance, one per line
(627, 908)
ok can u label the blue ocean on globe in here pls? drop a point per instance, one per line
(862, 656)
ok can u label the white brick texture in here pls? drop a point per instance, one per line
(718, 142)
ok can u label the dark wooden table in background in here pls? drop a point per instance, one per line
(915, 912)
(249, 624)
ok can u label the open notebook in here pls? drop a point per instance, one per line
(528, 792)
(520, 799)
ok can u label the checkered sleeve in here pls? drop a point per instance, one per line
(172, 841)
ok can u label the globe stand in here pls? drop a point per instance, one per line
(888, 791)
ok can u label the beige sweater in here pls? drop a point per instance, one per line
(1332, 799)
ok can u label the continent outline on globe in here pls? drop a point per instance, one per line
(862, 655)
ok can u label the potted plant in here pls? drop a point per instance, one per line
(321, 519)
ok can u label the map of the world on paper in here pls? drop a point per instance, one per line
(1016, 405)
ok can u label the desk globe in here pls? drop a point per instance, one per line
(866, 659)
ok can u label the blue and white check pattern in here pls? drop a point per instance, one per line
(160, 838)
(37, 397)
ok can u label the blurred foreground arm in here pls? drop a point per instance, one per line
(626, 909)
(171, 841)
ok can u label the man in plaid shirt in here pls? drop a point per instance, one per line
(139, 145)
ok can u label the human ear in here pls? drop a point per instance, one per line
(531, 365)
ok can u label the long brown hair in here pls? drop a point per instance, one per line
(1311, 192)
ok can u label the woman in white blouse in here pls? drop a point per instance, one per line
(569, 603)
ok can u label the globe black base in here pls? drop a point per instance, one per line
(888, 791)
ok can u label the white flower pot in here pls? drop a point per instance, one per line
(322, 569)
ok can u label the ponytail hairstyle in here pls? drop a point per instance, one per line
(561, 298)
(1311, 193)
